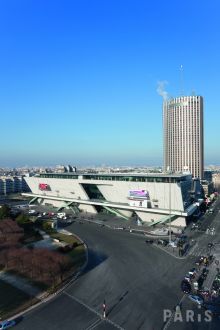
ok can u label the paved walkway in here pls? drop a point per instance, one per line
(20, 283)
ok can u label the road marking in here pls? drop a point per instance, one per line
(170, 253)
(172, 316)
(93, 311)
(194, 248)
(94, 324)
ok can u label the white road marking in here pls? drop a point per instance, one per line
(93, 311)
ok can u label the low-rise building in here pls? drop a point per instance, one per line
(154, 198)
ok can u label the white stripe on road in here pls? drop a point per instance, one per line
(93, 311)
(94, 324)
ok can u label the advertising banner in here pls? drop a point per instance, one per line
(138, 194)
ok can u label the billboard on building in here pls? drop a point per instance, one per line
(138, 194)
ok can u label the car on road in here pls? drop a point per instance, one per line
(149, 241)
(210, 245)
(7, 324)
(194, 226)
(196, 299)
(182, 239)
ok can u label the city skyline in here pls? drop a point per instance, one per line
(80, 82)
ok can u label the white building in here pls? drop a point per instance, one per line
(154, 198)
(183, 135)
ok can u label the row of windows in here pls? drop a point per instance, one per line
(115, 178)
(59, 176)
(129, 178)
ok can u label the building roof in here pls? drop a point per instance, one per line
(159, 175)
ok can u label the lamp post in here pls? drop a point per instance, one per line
(169, 209)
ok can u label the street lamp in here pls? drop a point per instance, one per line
(169, 209)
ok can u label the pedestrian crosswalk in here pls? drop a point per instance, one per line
(197, 251)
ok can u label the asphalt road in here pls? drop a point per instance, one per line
(137, 282)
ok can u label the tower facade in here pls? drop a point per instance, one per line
(183, 135)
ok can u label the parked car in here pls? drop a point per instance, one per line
(173, 244)
(185, 286)
(160, 242)
(188, 278)
(7, 324)
(183, 237)
(214, 309)
(205, 271)
(198, 300)
(200, 282)
(204, 293)
(215, 285)
(192, 272)
(199, 261)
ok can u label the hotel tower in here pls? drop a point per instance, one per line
(183, 135)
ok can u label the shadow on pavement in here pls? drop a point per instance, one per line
(94, 259)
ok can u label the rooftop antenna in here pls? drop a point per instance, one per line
(181, 81)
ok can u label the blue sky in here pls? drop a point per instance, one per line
(78, 78)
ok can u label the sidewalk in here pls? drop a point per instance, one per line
(130, 224)
(210, 277)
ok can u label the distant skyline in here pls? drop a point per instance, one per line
(79, 79)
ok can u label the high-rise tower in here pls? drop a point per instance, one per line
(183, 135)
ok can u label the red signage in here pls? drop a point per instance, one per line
(44, 186)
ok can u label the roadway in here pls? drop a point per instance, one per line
(202, 240)
(136, 280)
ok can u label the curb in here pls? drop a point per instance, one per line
(131, 230)
(176, 257)
(53, 295)
(134, 230)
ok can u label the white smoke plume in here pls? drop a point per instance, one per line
(161, 89)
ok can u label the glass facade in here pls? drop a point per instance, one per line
(131, 178)
(93, 191)
(58, 176)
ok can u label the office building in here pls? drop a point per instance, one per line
(183, 135)
(12, 184)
